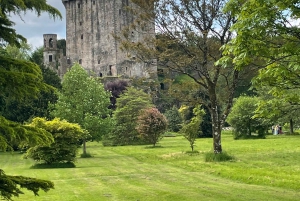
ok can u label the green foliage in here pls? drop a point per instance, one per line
(129, 106)
(10, 185)
(83, 100)
(267, 36)
(15, 134)
(151, 124)
(37, 56)
(190, 129)
(66, 140)
(242, 118)
(18, 80)
(26, 109)
(221, 157)
(22, 52)
(174, 119)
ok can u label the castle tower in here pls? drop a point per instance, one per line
(50, 51)
(90, 42)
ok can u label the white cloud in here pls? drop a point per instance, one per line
(33, 27)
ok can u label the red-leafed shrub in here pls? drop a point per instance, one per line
(151, 124)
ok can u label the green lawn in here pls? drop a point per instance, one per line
(266, 169)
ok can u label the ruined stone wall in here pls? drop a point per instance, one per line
(90, 25)
(50, 52)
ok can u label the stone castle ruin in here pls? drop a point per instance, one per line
(90, 26)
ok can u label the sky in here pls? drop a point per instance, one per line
(33, 27)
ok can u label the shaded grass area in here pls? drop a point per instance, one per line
(267, 169)
(53, 165)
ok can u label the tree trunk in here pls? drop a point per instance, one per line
(249, 128)
(84, 147)
(216, 127)
(291, 126)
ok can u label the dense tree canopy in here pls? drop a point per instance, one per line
(242, 118)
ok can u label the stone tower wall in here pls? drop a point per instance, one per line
(90, 26)
(50, 50)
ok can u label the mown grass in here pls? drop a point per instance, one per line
(266, 169)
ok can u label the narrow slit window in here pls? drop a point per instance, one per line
(80, 61)
(50, 58)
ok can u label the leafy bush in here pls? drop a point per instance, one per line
(241, 118)
(151, 124)
(64, 148)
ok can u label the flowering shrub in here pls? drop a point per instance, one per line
(151, 124)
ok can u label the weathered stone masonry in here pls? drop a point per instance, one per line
(90, 25)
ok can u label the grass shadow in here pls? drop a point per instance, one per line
(192, 153)
(53, 165)
(154, 147)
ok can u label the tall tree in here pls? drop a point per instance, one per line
(267, 36)
(83, 100)
(19, 79)
(191, 34)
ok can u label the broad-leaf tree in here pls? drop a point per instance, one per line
(283, 109)
(267, 35)
(242, 118)
(190, 36)
(83, 100)
(190, 129)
